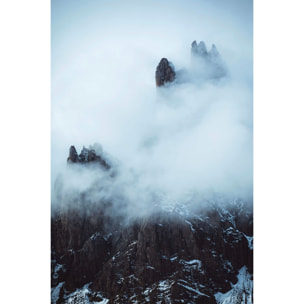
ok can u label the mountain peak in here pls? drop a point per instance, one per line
(165, 72)
(205, 65)
(214, 51)
(86, 156)
(199, 49)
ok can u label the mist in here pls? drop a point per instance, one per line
(167, 144)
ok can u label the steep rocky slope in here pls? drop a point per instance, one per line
(169, 256)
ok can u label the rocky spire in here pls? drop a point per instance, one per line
(193, 47)
(199, 50)
(86, 156)
(205, 65)
(214, 52)
(164, 72)
(73, 156)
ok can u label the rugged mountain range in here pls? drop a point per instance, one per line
(172, 254)
(169, 256)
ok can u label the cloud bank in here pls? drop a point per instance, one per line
(195, 137)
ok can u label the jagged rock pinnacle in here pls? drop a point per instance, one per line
(209, 62)
(214, 52)
(206, 65)
(199, 49)
(73, 156)
(164, 72)
(86, 156)
(194, 44)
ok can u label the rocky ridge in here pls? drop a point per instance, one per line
(86, 156)
(170, 256)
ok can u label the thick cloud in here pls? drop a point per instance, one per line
(191, 137)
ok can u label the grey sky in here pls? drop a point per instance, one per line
(104, 55)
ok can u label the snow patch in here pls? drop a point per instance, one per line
(165, 285)
(193, 290)
(106, 237)
(81, 296)
(192, 263)
(150, 267)
(191, 226)
(241, 292)
(95, 236)
(55, 292)
(250, 241)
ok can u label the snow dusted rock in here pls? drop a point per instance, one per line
(166, 257)
(165, 72)
(241, 292)
(171, 255)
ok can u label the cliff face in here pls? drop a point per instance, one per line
(166, 257)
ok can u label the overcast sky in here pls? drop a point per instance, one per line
(104, 56)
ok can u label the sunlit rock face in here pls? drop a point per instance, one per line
(165, 72)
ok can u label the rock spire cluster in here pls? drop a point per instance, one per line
(86, 156)
(205, 65)
(200, 50)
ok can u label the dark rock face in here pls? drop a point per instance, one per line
(73, 155)
(165, 257)
(160, 258)
(165, 72)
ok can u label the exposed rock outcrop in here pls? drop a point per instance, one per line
(209, 64)
(205, 66)
(86, 156)
(199, 49)
(73, 155)
(165, 72)
(164, 257)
